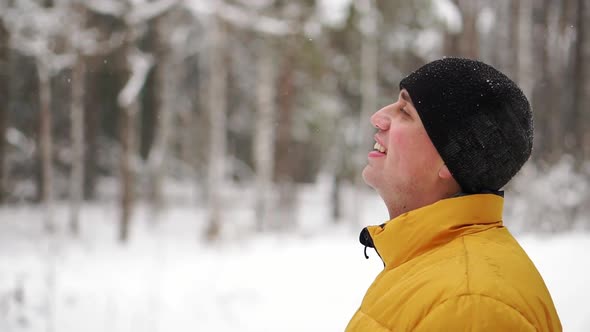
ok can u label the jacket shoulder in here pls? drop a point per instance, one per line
(497, 268)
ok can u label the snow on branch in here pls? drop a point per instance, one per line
(106, 7)
(242, 17)
(140, 64)
(149, 10)
(34, 32)
(132, 11)
(258, 4)
(86, 42)
(449, 14)
(60, 62)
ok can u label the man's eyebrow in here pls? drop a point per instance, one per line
(406, 97)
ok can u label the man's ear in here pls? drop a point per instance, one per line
(444, 172)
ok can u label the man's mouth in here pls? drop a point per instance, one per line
(379, 147)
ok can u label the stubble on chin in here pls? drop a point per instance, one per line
(370, 178)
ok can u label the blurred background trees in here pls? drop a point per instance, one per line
(127, 100)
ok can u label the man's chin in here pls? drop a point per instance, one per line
(368, 177)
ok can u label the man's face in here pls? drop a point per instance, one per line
(408, 163)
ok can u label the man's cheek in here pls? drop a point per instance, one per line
(399, 140)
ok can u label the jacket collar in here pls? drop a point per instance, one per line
(413, 233)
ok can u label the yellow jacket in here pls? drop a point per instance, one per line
(452, 266)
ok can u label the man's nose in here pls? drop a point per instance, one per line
(380, 120)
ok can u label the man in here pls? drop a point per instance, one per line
(459, 131)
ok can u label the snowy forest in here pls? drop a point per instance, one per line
(148, 147)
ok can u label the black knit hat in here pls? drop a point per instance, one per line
(477, 118)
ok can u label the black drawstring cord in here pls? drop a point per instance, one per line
(366, 240)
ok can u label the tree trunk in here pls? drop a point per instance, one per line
(127, 138)
(469, 39)
(465, 43)
(4, 102)
(159, 151)
(335, 197)
(581, 102)
(217, 105)
(46, 144)
(77, 136)
(494, 38)
(138, 65)
(285, 157)
(165, 83)
(555, 81)
(186, 138)
(127, 134)
(539, 94)
(451, 44)
(369, 60)
(582, 80)
(452, 40)
(526, 66)
(568, 96)
(92, 128)
(506, 43)
(264, 137)
(514, 40)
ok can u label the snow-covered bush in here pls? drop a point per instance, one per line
(549, 199)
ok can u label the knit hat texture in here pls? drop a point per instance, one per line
(477, 118)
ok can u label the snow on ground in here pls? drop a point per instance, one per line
(165, 279)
